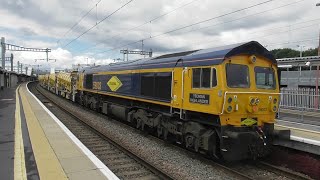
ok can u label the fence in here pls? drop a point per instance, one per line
(301, 103)
(305, 99)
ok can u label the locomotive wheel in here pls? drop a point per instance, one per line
(165, 134)
(159, 130)
(142, 125)
(189, 141)
(138, 124)
(192, 142)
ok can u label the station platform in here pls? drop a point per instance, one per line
(303, 136)
(36, 145)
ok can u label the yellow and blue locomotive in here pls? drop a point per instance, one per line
(221, 101)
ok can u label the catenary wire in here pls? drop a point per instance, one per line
(276, 33)
(209, 19)
(140, 25)
(85, 15)
(270, 34)
(97, 23)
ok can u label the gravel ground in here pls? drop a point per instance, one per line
(166, 157)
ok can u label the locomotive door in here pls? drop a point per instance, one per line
(176, 91)
(185, 77)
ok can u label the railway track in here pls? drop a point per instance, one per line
(120, 161)
(117, 161)
(282, 171)
(241, 168)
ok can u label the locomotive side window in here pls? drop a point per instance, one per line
(196, 74)
(201, 78)
(237, 75)
(205, 77)
(214, 77)
(264, 77)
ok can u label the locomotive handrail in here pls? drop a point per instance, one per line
(182, 91)
(172, 86)
(235, 92)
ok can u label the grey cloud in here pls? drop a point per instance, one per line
(55, 17)
(28, 31)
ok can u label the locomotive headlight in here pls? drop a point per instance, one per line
(229, 109)
(252, 59)
(229, 99)
(257, 100)
(274, 109)
(252, 101)
(275, 100)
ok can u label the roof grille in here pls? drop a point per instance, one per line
(176, 54)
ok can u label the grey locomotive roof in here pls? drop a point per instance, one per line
(200, 57)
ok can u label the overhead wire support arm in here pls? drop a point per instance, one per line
(126, 51)
(55, 60)
(11, 47)
(7, 59)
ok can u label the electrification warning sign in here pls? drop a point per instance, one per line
(114, 83)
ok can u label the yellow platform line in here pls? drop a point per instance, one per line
(48, 164)
(19, 168)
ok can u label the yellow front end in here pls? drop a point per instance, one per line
(242, 91)
(251, 94)
(250, 101)
(240, 98)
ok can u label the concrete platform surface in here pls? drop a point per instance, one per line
(304, 137)
(7, 116)
(58, 153)
(303, 117)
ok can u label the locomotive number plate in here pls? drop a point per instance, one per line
(199, 98)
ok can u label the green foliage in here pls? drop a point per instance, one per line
(289, 53)
(310, 52)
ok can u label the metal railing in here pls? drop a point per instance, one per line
(300, 98)
(300, 102)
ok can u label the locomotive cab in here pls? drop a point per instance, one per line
(251, 99)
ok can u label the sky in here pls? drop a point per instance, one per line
(94, 31)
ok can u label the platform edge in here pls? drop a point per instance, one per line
(102, 167)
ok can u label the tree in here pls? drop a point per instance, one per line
(310, 52)
(290, 53)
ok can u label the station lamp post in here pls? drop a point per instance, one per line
(318, 4)
(301, 46)
(316, 105)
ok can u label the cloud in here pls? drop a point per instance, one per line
(41, 23)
